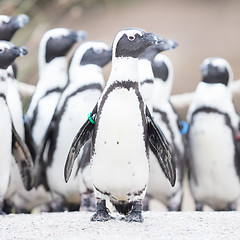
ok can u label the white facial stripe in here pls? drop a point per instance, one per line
(4, 45)
(99, 47)
(57, 32)
(4, 19)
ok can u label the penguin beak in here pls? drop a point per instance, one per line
(166, 44)
(20, 51)
(78, 35)
(152, 39)
(20, 21)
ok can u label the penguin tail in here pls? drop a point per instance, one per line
(123, 207)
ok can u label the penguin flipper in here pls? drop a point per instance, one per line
(29, 138)
(23, 159)
(83, 135)
(159, 147)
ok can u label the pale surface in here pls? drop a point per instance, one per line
(157, 225)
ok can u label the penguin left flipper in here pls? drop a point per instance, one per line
(80, 139)
(23, 159)
(159, 147)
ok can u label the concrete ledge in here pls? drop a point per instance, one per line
(157, 225)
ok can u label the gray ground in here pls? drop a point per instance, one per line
(157, 225)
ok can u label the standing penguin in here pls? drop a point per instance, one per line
(8, 27)
(168, 120)
(52, 61)
(11, 143)
(85, 86)
(121, 129)
(214, 165)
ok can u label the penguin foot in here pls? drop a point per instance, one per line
(87, 203)
(199, 207)
(136, 213)
(102, 214)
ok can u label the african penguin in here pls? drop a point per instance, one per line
(52, 62)
(145, 69)
(11, 143)
(168, 120)
(85, 86)
(121, 129)
(214, 165)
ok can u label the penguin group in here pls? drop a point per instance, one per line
(89, 143)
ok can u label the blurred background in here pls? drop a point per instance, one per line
(203, 28)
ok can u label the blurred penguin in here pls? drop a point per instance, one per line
(85, 86)
(214, 163)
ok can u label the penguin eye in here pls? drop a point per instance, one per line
(1, 49)
(131, 37)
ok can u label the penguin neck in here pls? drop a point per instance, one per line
(3, 82)
(56, 70)
(124, 69)
(86, 74)
(145, 70)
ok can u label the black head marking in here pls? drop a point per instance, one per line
(8, 53)
(214, 70)
(9, 25)
(59, 46)
(133, 42)
(160, 70)
(98, 57)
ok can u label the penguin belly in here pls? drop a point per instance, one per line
(120, 167)
(45, 111)
(5, 149)
(213, 178)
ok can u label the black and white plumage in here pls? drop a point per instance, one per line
(52, 62)
(168, 120)
(214, 163)
(122, 133)
(85, 86)
(11, 143)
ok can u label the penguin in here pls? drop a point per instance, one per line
(122, 130)
(169, 121)
(214, 166)
(9, 25)
(12, 144)
(52, 62)
(85, 86)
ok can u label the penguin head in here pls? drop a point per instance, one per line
(90, 53)
(9, 25)
(131, 42)
(97, 53)
(216, 70)
(153, 50)
(57, 42)
(9, 52)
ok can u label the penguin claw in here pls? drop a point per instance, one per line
(134, 217)
(101, 216)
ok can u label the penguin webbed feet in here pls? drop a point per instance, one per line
(102, 213)
(136, 214)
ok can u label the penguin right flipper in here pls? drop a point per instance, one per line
(23, 159)
(80, 139)
(159, 147)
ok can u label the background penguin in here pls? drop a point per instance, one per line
(85, 86)
(214, 165)
(52, 62)
(8, 27)
(168, 120)
(122, 129)
(11, 143)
